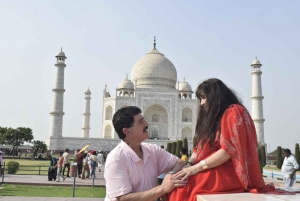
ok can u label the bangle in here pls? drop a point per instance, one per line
(204, 164)
(189, 163)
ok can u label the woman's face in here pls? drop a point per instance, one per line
(203, 100)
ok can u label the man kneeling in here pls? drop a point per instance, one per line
(132, 167)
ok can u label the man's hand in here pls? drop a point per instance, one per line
(170, 182)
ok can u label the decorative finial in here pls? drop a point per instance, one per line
(184, 79)
(126, 76)
(255, 57)
(60, 48)
(154, 44)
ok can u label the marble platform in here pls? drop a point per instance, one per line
(251, 196)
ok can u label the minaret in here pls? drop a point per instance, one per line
(86, 115)
(257, 105)
(56, 115)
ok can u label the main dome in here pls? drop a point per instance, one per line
(154, 70)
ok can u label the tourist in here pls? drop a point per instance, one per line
(1, 163)
(289, 168)
(225, 159)
(94, 161)
(100, 160)
(183, 154)
(51, 170)
(79, 162)
(66, 163)
(85, 166)
(59, 166)
(132, 167)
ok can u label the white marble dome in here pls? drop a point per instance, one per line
(185, 86)
(61, 53)
(154, 70)
(126, 84)
(256, 62)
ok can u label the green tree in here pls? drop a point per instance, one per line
(38, 145)
(173, 148)
(185, 145)
(15, 137)
(297, 153)
(169, 147)
(178, 147)
(263, 155)
(260, 158)
(279, 157)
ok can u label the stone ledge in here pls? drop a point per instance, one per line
(250, 196)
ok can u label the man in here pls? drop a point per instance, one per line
(100, 160)
(289, 168)
(183, 154)
(66, 163)
(132, 167)
(79, 162)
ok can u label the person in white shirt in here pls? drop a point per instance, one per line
(66, 162)
(100, 160)
(289, 168)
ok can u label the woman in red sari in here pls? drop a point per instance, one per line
(225, 159)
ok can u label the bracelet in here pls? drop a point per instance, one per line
(171, 172)
(204, 164)
(189, 163)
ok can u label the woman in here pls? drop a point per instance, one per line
(225, 159)
(94, 161)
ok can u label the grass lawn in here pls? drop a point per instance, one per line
(271, 168)
(50, 191)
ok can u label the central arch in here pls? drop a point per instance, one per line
(157, 118)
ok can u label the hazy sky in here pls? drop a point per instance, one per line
(103, 39)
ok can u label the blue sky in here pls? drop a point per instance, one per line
(104, 39)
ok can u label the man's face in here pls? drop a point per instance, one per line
(139, 130)
(286, 154)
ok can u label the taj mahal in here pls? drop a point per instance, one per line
(168, 104)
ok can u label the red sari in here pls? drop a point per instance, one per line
(239, 174)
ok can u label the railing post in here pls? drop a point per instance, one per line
(39, 170)
(93, 180)
(3, 172)
(74, 184)
(272, 174)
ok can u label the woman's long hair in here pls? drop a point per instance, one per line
(218, 98)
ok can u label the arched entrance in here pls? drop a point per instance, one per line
(157, 117)
(107, 132)
(187, 133)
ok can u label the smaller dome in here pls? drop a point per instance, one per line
(88, 92)
(256, 62)
(126, 84)
(185, 86)
(61, 54)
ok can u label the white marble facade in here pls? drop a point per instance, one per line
(170, 111)
(167, 104)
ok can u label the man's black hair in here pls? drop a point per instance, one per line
(183, 150)
(124, 118)
(288, 151)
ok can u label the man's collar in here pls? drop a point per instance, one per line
(134, 157)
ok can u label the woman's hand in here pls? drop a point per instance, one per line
(186, 172)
